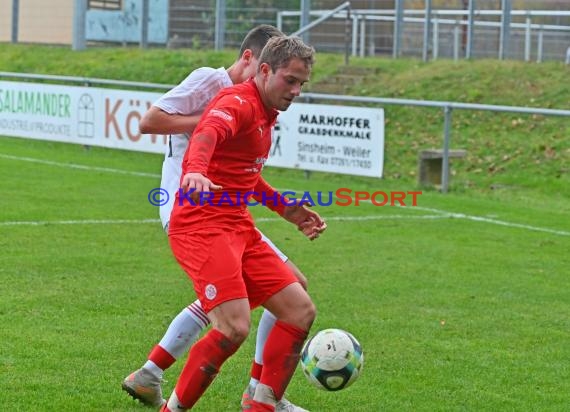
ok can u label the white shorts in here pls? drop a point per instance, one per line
(170, 181)
(171, 172)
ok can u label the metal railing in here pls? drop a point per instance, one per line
(433, 22)
(446, 106)
(326, 16)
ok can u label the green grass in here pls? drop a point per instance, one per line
(452, 313)
(460, 304)
(508, 150)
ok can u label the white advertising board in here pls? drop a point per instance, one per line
(83, 115)
(339, 139)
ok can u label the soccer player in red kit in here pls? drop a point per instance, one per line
(216, 243)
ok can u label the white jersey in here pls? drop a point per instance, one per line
(190, 97)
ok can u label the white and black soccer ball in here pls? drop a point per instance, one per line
(332, 359)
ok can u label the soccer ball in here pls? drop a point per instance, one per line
(332, 359)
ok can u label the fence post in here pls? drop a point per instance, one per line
(144, 25)
(79, 12)
(355, 25)
(305, 18)
(220, 24)
(347, 31)
(398, 22)
(445, 160)
(427, 29)
(456, 41)
(470, 26)
(505, 29)
(527, 39)
(362, 42)
(15, 20)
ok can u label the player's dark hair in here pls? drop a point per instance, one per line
(257, 37)
(280, 50)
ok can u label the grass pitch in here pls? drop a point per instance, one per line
(460, 303)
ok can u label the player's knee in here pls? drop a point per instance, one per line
(307, 313)
(237, 336)
(236, 331)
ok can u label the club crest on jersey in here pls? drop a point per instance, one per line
(210, 291)
(240, 100)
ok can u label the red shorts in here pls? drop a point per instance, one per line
(231, 265)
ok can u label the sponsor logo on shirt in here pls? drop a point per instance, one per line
(221, 114)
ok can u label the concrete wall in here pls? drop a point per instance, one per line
(125, 25)
(5, 20)
(38, 22)
(43, 21)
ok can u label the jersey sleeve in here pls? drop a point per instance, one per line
(221, 121)
(226, 117)
(193, 94)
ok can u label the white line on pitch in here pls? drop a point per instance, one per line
(509, 224)
(362, 218)
(425, 209)
(262, 219)
(78, 222)
(81, 167)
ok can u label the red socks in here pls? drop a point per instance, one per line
(256, 369)
(204, 361)
(161, 357)
(281, 356)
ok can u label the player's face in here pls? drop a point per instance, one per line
(285, 84)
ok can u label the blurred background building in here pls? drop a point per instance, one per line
(537, 29)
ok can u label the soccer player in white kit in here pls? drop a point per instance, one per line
(177, 112)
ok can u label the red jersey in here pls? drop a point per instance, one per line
(242, 127)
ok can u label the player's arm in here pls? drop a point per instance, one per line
(220, 122)
(157, 121)
(198, 155)
(307, 221)
(179, 109)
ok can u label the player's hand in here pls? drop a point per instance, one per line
(198, 182)
(313, 228)
(307, 221)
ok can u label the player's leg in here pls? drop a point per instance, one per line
(284, 297)
(300, 276)
(266, 322)
(222, 291)
(295, 314)
(144, 383)
(181, 333)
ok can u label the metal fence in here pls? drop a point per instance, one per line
(433, 29)
(514, 29)
(446, 106)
